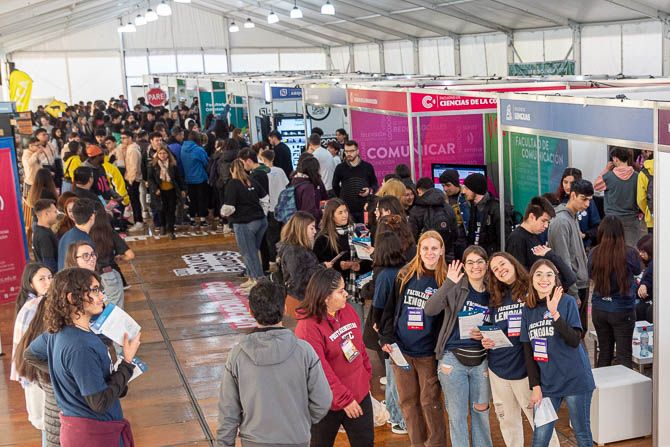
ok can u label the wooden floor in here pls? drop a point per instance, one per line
(185, 340)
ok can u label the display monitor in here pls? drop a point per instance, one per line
(463, 171)
(292, 129)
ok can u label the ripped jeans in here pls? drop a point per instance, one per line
(463, 388)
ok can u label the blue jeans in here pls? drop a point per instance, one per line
(391, 396)
(249, 237)
(113, 285)
(579, 409)
(463, 388)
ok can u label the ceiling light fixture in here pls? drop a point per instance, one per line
(272, 17)
(164, 9)
(182, 1)
(233, 28)
(328, 9)
(151, 15)
(249, 24)
(296, 13)
(130, 28)
(140, 20)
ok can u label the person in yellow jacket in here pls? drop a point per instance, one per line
(71, 161)
(113, 185)
(643, 190)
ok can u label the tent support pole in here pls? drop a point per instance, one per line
(382, 61)
(457, 56)
(577, 47)
(410, 129)
(665, 35)
(501, 176)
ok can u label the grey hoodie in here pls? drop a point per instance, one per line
(566, 242)
(273, 389)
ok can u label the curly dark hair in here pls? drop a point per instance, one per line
(74, 282)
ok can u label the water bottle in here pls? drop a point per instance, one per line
(644, 342)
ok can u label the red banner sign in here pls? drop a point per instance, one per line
(12, 236)
(377, 100)
(156, 97)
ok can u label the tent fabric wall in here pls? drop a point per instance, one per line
(341, 59)
(541, 46)
(436, 56)
(399, 57)
(366, 58)
(484, 55)
(301, 59)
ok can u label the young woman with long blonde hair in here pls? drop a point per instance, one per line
(415, 332)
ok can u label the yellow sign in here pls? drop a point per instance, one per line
(55, 108)
(20, 89)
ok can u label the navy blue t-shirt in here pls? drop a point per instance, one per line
(79, 365)
(414, 340)
(618, 301)
(474, 301)
(508, 363)
(567, 370)
(384, 286)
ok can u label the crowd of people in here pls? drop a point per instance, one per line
(388, 270)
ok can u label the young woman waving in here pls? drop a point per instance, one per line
(557, 365)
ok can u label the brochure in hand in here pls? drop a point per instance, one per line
(140, 367)
(114, 323)
(497, 335)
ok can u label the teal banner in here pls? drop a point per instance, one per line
(564, 67)
(206, 107)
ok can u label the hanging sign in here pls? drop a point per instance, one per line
(286, 93)
(664, 127)
(13, 243)
(424, 102)
(325, 96)
(156, 97)
(377, 100)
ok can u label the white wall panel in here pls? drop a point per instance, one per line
(48, 73)
(367, 57)
(216, 63)
(136, 65)
(100, 37)
(268, 61)
(191, 63)
(260, 38)
(529, 45)
(496, 54)
(94, 77)
(473, 56)
(642, 49)
(399, 57)
(436, 56)
(302, 59)
(557, 43)
(162, 63)
(601, 49)
(340, 58)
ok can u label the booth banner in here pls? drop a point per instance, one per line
(206, 107)
(623, 123)
(384, 141)
(286, 93)
(378, 100)
(549, 68)
(20, 89)
(12, 235)
(664, 127)
(457, 139)
(325, 96)
(529, 175)
(424, 102)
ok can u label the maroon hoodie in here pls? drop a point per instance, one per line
(348, 381)
(308, 198)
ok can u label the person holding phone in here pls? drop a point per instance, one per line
(87, 387)
(508, 286)
(336, 237)
(556, 361)
(463, 366)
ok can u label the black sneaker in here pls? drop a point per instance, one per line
(172, 236)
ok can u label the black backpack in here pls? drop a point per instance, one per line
(650, 189)
(443, 220)
(512, 217)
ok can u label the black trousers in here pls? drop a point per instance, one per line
(198, 195)
(272, 236)
(360, 431)
(584, 310)
(135, 203)
(614, 328)
(169, 209)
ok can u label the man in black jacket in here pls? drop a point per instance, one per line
(484, 225)
(282, 153)
(431, 212)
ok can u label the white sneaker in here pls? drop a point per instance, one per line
(398, 430)
(138, 226)
(382, 380)
(248, 284)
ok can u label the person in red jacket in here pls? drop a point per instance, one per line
(331, 325)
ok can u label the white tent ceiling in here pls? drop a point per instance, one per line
(26, 22)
